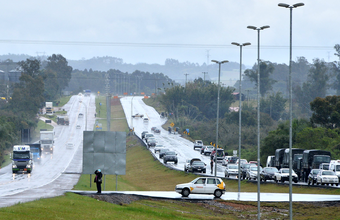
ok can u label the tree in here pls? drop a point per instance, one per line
(266, 82)
(326, 111)
(274, 105)
(61, 76)
(336, 70)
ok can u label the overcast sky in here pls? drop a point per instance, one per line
(150, 31)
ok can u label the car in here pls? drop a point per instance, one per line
(69, 145)
(202, 185)
(162, 152)
(268, 173)
(252, 172)
(283, 175)
(153, 128)
(148, 135)
(220, 155)
(311, 179)
(143, 134)
(231, 170)
(197, 166)
(158, 147)
(206, 150)
(232, 160)
(157, 131)
(137, 116)
(79, 94)
(242, 161)
(152, 142)
(198, 144)
(327, 177)
(189, 162)
(170, 156)
(225, 160)
(78, 126)
(80, 115)
(244, 169)
(145, 120)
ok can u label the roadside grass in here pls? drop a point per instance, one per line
(143, 172)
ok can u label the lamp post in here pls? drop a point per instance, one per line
(239, 110)
(132, 129)
(85, 114)
(258, 29)
(218, 106)
(290, 103)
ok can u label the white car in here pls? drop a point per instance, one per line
(202, 185)
(283, 175)
(158, 148)
(69, 145)
(327, 177)
(78, 127)
(225, 160)
(148, 135)
(145, 120)
(252, 172)
(231, 170)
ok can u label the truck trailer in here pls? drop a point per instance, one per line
(36, 152)
(22, 159)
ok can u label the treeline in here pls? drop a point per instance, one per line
(39, 82)
(317, 126)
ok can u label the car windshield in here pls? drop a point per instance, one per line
(285, 170)
(246, 165)
(164, 150)
(158, 145)
(170, 153)
(272, 170)
(253, 168)
(233, 167)
(315, 171)
(328, 172)
(198, 163)
(337, 168)
(21, 155)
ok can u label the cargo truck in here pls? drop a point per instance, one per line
(49, 108)
(22, 159)
(63, 120)
(47, 141)
(36, 152)
(311, 159)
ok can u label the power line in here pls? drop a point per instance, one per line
(131, 44)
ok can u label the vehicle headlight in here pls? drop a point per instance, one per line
(14, 166)
(28, 166)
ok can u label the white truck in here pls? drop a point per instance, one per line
(22, 159)
(47, 141)
(49, 108)
(334, 165)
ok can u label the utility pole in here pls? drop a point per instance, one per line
(204, 75)
(186, 75)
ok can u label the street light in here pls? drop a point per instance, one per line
(258, 29)
(85, 114)
(239, 110)
(290, 104)
(218, 106)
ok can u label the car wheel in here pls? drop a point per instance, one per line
(204, 171)
(336, 184)
(218, 193)
(313, 182)
(176, 162)
(308, 182)
(282, 181)
(225, 175)
(165, 161)
(295, 181)
(331, 184)
(264, 180)
(322, 183)
(185, 192)
(317, 183)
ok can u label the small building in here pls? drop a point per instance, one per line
(237, 96)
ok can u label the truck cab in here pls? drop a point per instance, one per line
(22, 159)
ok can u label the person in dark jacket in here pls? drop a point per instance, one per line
(98, 180)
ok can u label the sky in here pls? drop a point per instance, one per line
(149, 31)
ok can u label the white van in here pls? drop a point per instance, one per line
(270, 161)
(334, 165)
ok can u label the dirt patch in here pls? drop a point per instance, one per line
(115, 101)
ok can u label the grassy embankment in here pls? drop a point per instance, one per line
(144, 173)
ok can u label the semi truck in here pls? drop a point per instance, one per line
(63, 120)
(49, 108)
(22, 159)
(279, 157)
(47, 141)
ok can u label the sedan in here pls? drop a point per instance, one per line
(170, 156)
(162, 152)
(197, 166)
(158, 148)
(231, 170)
(252, 172)
(312, 176)
(283, 175)
(268, 173)
(207, 150)
(202, 185)
(152, 142)
(327, 177)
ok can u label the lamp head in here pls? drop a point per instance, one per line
(283, 5)
(246, 44)
(264, 27)
(252, 27)
(234, 43)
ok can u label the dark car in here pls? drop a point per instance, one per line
(157, 131)
(232, 160)
(162, 152)
(152, 142)
(153, 128)
(244, 168)
(170, 156)
(143, 134)
(312, 176)
(268, 173)
(197, 166)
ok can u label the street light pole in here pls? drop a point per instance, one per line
(258, 29)
(290, 104)
(218, 107)
(239, 110)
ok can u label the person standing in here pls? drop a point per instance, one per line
(98, 180)
(212, 165)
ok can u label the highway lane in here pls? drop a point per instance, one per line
(47, 178)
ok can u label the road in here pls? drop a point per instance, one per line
(48, 179)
